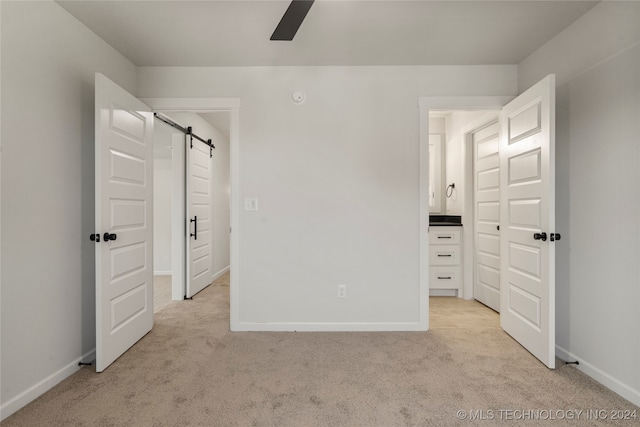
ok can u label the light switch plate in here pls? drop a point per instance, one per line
(250, 204)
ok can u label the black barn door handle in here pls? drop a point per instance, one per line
(195, 227)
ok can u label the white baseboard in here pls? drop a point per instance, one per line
(163, 273)
(602, 377)
(220, 273)
(37, 390)
(330, 327)
(443, 292)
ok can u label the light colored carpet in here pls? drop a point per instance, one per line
(161, 292)
(191, 371)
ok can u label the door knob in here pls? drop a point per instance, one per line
(540, 236)
(554, 236)
(108, 237)
(95, 238)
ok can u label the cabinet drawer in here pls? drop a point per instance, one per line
(444, 235)
(444, 255)
(444, 277)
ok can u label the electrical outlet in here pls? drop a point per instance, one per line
(342, 291)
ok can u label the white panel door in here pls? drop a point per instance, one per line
(527, 220)
(124, 241)
(199, 235)
(486, 162)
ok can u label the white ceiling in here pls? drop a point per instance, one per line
(335, 32)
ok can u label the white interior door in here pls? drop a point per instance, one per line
(124, 241)
(199, 253)
(527, 220)
(486, 162)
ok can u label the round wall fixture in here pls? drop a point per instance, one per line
(297, 97)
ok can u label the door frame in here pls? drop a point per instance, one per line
(206, 105)
(425, 104)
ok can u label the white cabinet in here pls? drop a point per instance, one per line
(445, 260)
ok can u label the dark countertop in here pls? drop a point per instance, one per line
(445, 221)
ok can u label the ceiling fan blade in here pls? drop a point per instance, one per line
(292, 19)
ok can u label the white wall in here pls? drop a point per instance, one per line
(221, 204)
(162, 197)
(337, 181)
(437, 125)
(597, 60)
(48, 299)
(162, 192)
(607, 29)
(220, 192)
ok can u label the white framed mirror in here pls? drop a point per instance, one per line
(436, 173)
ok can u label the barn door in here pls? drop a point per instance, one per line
(124, 262)
(199, 246)
(527, 220)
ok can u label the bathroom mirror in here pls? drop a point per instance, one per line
(436, 173)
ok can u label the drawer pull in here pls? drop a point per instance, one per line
(444, 255)
(444, 237)
(444, 277)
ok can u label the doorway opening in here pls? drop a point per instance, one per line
(513, 163)
(453, 121)
(172, 232)
(459, 254)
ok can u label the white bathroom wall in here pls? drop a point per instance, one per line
(47, 297)
(597, 60)
(337, 182)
